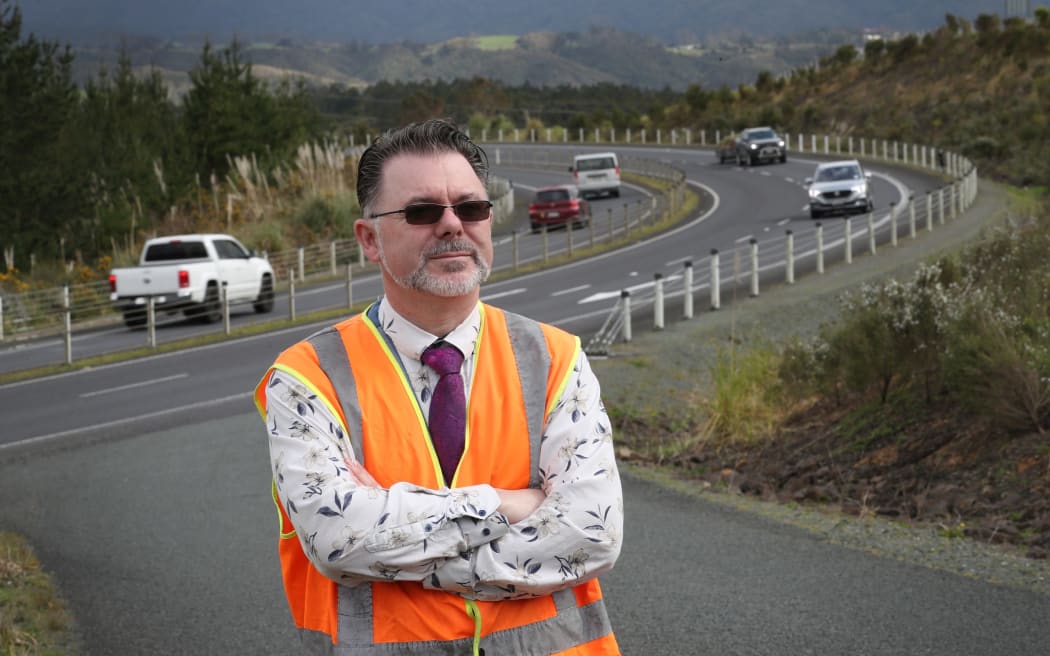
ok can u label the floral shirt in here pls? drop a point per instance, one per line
(449, 539)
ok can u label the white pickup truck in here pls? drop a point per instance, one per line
(186, 273)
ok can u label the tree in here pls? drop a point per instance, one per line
(39, 191)
(229, 112)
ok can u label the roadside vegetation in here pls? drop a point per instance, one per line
(33, 618)
(927, 400)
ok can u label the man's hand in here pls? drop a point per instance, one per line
(360, 474)
(519, 504)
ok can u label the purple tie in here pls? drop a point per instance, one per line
(448, 406)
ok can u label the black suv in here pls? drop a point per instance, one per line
(756, 145)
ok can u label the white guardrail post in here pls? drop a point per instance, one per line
(820, 248)
(291, 294)
(68, 311)
(658, 301)
(893, 223)
(225, 308)
(789, 273)
(716, 284)
(687, 282)
(754, 267)
(849, 241)
(1, 318)
(625, 298)
(151, 322)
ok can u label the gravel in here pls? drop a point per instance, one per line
(656, 371)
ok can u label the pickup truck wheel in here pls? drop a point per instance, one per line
(264, 303)
(210, 310)
(134, 318)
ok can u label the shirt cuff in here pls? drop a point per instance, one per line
(475, 510)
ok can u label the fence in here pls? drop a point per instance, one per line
(788, 253)
(57, 310)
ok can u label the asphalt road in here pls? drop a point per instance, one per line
(165, 543)
(737, 205)
(145, 489)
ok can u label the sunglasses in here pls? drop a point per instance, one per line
(430, 213)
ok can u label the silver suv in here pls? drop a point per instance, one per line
(842, 187)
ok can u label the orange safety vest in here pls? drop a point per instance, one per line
(386, 428)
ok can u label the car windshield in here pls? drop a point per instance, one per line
(761, 134)
(838, 174)
(551, 195)
(595, 164)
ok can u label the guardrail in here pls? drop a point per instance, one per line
(60, 310)
(790, 253)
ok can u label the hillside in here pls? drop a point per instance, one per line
(545, 59)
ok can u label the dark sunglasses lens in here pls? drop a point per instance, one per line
(472, 210)
(424, 213)
(429, 213)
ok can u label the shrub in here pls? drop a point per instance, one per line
(745, 403)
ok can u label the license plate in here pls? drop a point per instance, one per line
(553, 215)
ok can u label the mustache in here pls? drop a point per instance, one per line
(443, 247)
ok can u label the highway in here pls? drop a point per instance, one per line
(145, 485)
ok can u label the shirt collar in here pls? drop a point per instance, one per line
(410, 340)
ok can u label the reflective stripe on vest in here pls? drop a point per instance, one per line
(579, 616)
(572, 626)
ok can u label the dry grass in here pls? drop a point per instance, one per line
(33, 618)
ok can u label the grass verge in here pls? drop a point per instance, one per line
(34, 620)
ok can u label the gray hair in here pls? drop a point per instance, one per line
(427, 138)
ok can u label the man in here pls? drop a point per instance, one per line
(432, 507)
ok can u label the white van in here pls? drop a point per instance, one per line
(596, 174)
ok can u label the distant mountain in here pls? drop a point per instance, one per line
(599, 55)
(432, 21)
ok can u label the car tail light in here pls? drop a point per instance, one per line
(184, 278)
(112, 283)
(617, 171)
(574, 204)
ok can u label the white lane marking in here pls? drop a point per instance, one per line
(783, 222)
(602, 296)
(155, 381)
(127, 420)
(571, 290)
(509, 292)
(744, 239)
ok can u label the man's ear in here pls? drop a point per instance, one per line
(367, 239)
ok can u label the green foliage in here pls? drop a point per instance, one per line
(320, 218)
(745, 401)
(230, 112)
(972, 330)
(39, 189)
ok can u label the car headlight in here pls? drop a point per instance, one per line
(814, 193)
(780, 143)
(859, 189)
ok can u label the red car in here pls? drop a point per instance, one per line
(558, 205)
